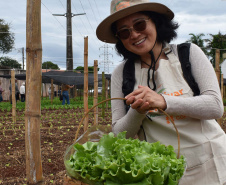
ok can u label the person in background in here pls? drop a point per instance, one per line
(151, 78)
(22, 92)
(49, 92)
(59, 92)
(1, 91)
(65, 93)
(17, 92)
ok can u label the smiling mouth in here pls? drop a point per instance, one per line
(139, 42)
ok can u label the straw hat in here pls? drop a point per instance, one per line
(123, 8)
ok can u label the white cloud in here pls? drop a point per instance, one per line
(194, 16)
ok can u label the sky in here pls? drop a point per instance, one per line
(193, 16)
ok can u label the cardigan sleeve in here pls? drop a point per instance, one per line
(122, 121)
(209, 104)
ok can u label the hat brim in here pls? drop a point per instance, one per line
(104, 32)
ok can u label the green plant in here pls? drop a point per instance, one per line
(117, 160)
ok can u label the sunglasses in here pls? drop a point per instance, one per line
(138, 26)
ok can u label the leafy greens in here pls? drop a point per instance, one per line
(115, 160)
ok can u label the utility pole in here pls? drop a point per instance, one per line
(106, 58)
(69, 50)
(23, 57)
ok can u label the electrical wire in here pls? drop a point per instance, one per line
(53, 16)
(84, 25)
(87, 17)
(93, 11)
(62, 5)
(97, 9)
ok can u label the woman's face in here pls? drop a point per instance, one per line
(141, 42)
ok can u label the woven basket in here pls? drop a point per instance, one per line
(70, 181)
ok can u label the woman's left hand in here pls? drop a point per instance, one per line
(144, 99)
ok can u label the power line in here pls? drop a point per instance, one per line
(61, 24)
(54, 17)
(97, 9)
(62, 5)
(93, 11)
(86, 16)
(84, 24)
(79, 17)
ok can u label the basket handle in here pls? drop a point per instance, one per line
(172, 121)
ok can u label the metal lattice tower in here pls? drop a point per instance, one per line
(106, 61)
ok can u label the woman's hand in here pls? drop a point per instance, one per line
(144, 99)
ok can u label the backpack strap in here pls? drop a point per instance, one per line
(128, 79)
(183, 54)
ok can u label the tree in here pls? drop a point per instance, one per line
(197, 39)
(49, 65)
(7, 61)
(217, 41)
(81, 69)
(6, 37)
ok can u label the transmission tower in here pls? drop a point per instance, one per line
(106, 61)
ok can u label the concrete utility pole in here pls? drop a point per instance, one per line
(23, 57)
(69, 50)
(106, 58)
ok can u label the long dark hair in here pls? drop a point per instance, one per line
(165, 28)
(166, 32)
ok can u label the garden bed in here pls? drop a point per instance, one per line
(58, 128)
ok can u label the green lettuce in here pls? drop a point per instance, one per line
(115, 160)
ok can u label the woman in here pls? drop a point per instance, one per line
(151, 77)
(65, 93)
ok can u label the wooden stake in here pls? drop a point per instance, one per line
(217, 70)
(217, 64)
(33, 95)
(52, 91)
(46, 92)
(13, 95)
(42, 91)
(86, 82)
(76, 93)
(103, 94)
(222, 86)
(224, 91)
(222, 95)
(110, 87)
(106, 92)
(95, 93)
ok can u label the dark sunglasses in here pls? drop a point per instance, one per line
(138, 26)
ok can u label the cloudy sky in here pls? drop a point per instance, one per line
(194, 16)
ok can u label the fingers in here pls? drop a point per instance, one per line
(141, 106)
(130, 100)
(144, 99)
(139, 93)
(137, 104)
(135, 92)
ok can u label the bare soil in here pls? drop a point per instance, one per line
(58, 128)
